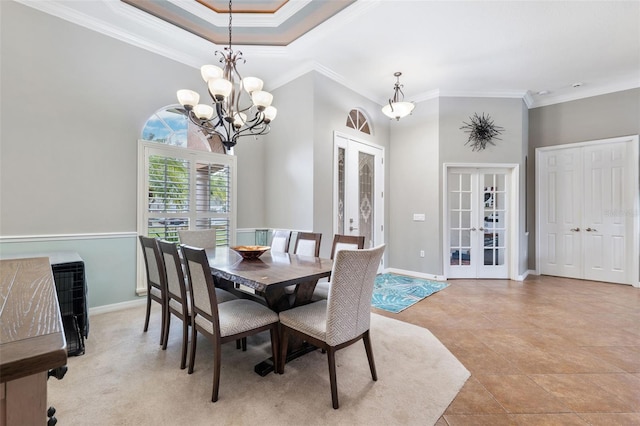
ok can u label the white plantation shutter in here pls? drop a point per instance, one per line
(181, 188)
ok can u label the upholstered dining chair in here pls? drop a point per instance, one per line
(224, 322)
(307, 244)
(202, 238)
(280, 241)
(340, 242)
(177, 298)
(156, 280)
(343, 318)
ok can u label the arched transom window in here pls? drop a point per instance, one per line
(357, 120)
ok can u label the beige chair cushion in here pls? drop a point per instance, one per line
(238, 316)
(310, 319)
(224, 296)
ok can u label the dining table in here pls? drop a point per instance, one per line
(281, 281)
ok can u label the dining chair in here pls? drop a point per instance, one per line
(340, 242)
(156, 280)
(202, 238)
(177, 297)
(307, 244)
(224, 322)
(280, 241)
(343, 318)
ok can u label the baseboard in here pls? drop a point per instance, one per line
(415, 274)
(525, 275)
(117, 306)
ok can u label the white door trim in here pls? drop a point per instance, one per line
(635, 210)
(514, 212)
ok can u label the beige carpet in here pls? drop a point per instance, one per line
(126, 379)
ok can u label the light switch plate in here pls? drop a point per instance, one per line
(418, 217)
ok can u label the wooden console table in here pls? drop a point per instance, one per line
(32, 339)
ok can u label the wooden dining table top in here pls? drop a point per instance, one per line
(269, 271)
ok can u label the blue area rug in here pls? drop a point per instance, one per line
(395, 293)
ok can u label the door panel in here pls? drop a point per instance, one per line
(586, 228)
(359, 188)
(478, 223)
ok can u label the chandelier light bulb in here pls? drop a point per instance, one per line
(261, 99)
(252, 84)
(210, 72)
(220, 88)
(270, 113)
(398, 110)
(188, 98)
(239, 118)
(203, 111)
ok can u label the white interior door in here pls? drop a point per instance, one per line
(359, 190)
(560, 213)
(478, 223)
(587, 196)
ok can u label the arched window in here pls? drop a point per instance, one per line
(357, 120)
(169, 126)
(186, 181)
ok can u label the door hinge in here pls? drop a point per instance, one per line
(382, 228)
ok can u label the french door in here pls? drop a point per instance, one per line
(478, 201)
(358, 189)
(587, 198)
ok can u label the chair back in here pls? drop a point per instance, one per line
(348, 242)
(176, 286)
(153, 264)
(280, 241)
(203, 293)
(201, 238)
(308, 244)
(349, 303)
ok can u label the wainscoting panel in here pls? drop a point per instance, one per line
(110, 261)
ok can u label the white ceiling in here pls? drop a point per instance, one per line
(449, 48)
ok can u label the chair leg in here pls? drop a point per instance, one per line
(244, 344)
(284, 343)
(163, 324)
(146, 318)
(192, 352)
(331, 356)
(167, 324)
(367, 347)
(275, 348)
(216, 371)
(239, 344)
(185, 340)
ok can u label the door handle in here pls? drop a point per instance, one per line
(481, 229)
(351, 228)
(575, 229)
(591, 229)
(473, 229)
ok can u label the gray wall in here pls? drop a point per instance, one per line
(598, 117)
(415, 175)
(421, 144)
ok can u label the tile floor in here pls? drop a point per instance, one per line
(546, 351)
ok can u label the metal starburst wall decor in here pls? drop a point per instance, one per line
(481, 131)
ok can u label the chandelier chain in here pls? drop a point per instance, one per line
(230, 20)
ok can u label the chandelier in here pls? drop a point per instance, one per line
(397, 108)
(239, 105)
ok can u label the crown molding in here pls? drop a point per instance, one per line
(585, 92)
